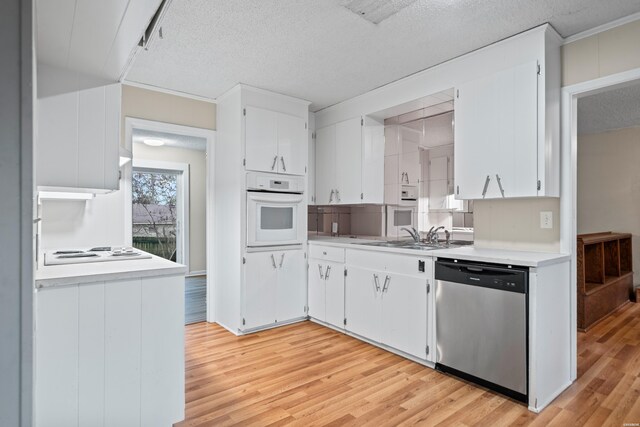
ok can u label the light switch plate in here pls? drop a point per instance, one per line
(546, 219)
(334, 227)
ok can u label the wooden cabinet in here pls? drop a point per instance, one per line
(274, 288)
(275, 142)
(387, 300)
(77, 141)
(500, 139)
(110, 353)
(349, 158)
(605, 275)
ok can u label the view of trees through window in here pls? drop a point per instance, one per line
(154, 212)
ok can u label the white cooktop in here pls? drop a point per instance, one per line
(82, 256)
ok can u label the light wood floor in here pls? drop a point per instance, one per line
(305, 374)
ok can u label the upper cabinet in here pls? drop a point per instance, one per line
(496, 135)
(507, 130)
(275, 142)
(506, 121)
(349, 162)
(77, 143)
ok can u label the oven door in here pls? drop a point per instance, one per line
(274, 219)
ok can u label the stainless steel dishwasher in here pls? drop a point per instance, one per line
(482, 324)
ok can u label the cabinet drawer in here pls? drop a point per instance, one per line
(326, 253)
(394, 263)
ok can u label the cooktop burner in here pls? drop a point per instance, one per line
(96, 254)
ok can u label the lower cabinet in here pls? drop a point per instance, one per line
(110, 353)
(326, 291)
(385, 305)
(274, 288)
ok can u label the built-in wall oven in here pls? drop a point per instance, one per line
(276, 210)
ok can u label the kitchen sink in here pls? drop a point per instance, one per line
(424, 246)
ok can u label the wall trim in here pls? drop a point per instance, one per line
(569, 173)
(602, 28)
(197, 273)
(169, 91)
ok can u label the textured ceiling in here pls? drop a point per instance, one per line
(615, 109)
(170, 139)
(322, 52)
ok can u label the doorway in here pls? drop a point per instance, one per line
(171, 196)
(160, 209)
(571, 96)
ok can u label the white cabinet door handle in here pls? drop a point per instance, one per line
(387, 280)
(486, 185)
(320, 272)
(273, 261)
(326, 273)
(284, 168)
(281, 260)
(331, 196)
(376, 283)
(275, 160)
(500, 184)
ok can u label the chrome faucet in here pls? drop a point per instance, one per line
(414, 233)
(432, 235)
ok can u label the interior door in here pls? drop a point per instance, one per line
(363, 302)
(334, 294)
(349, 161)
(317, 286)
(260, 288)
(261, 140)
(404, 313)
(325, 165)
(292, 145)
(292, 285)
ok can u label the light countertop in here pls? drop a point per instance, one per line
(91, 272)
(469, 253)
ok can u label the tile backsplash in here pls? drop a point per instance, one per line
(367, 220)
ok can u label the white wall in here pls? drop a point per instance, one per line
(197, 194)
(609, 185)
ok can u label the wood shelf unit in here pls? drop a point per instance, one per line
(605, 275)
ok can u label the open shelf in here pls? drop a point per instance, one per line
(605, 275)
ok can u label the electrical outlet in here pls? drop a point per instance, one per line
(334, 227)
(546, 219)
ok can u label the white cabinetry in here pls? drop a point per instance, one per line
(500, 139)
(274, 288)
(326, 285)
(264, 131)
(387, 300)
(110, 353)
(401, 161)
(77, 142)
(349, 158)
(275, 142)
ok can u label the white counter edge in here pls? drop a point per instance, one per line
(501, 256)
(74, 274)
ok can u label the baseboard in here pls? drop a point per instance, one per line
(271, 326)
(540, 406)
(196, 273)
